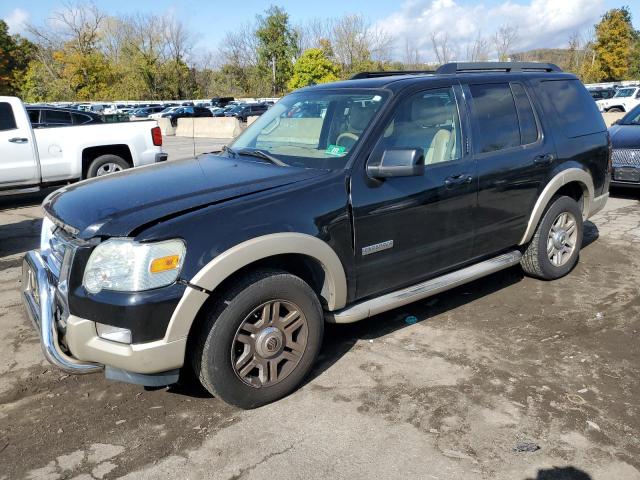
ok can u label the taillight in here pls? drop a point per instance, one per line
(156, 136)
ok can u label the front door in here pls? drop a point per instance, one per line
(18, 164)
(411, 228)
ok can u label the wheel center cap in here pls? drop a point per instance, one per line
(559, 239)
(269, 342)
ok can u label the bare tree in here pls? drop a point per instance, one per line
(478, 50)
(442, 47)
(356, 41)
(505, 39)
(411, 55)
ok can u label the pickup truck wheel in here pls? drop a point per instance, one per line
(555, 247)
(106, 164)
(260, 341)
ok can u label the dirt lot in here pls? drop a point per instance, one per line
(502, 363)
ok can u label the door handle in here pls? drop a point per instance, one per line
(544, 159)
(458, 179)
(18, 140)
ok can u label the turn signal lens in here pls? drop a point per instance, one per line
(164, 264)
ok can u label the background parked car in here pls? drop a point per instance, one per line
(187, 112)
(241, 112)
(624, 100)
(625, 158)
(45, 116)
(161, 113)
(221, 101)
(146, 111)
(602, 93)
(222, 111)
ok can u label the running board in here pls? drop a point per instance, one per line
(423, 290)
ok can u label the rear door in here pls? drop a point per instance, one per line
(18, 160)
(514, 155)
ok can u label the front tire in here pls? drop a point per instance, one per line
(106, 164)
(555, 246)
(259, 342)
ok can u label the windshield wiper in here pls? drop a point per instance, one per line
(254, 152)
(230, 151)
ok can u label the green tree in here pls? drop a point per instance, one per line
(313, 67)
(15, 54)
(277, 47)
(613, 46)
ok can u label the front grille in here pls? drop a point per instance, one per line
(626, 157)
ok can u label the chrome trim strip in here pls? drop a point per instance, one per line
(423, 290)
(38, 297)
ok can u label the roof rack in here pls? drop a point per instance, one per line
(390, 73)
(453, 68)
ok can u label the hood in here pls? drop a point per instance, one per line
(625, 136)
(118, 204)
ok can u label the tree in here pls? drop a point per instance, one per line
(15, 54)
(311, 68)
(277, 47)
(613, 46)
(504, 40)
(478, 51)
(441, 46)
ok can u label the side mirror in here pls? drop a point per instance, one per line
(397, 162)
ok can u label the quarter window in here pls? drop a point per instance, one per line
(7, 120)
(526, 118)
(494, 110)
(428, 120)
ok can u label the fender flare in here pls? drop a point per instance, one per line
(557, 182)
(334, 289)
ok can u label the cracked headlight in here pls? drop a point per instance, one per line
(124, 265)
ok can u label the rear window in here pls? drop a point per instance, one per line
(56, 117)
(578, 114)
(7, 120)
(495, 112)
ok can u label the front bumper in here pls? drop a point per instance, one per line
(38, 296)
(86, 352)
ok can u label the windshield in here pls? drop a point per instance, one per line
(625, 92)
(631, 118)
(313, 129)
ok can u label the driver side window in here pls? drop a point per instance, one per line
(428, 120)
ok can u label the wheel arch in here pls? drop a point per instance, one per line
(570, 182)
(89, 154)
(298, 253)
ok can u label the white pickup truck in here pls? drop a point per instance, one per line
(624, 100)
(31, 159)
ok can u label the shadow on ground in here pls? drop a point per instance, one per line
(561, 473)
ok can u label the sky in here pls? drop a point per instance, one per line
(540, 23)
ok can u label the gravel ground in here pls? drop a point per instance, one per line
(505, 378)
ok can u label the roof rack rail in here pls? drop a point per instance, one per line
(453, 68)
(390, 73)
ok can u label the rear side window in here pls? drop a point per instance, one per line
(57, 118)
(79, 119)
(34, 116)
(577, 112)
(7, 120)
(497, 121)
(526, 118)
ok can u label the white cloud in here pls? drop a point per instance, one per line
(17, 20)
(540, 23)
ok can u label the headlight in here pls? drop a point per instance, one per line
(45, 236)
(127, 266)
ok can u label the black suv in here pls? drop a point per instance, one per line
(187, 112)
(405, 185)
(625, 140)
(242, 112)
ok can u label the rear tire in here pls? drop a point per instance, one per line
(555, 246)
(106, 164)
(259, 342)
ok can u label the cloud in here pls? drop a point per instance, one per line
(17, 20)
(540, 23)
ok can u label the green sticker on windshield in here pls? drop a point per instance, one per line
(336, 150)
